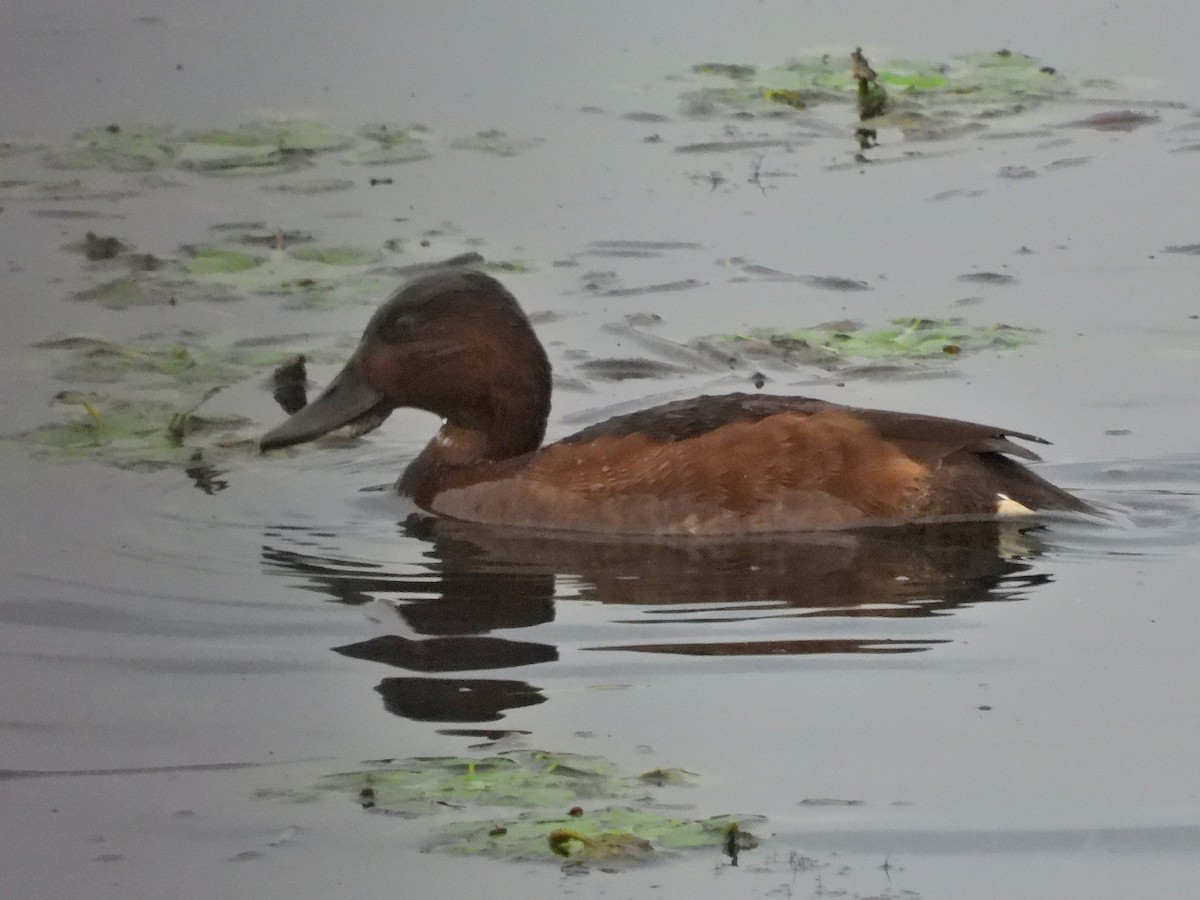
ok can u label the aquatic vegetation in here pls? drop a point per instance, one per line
(840, 343)
(156, 419)
(495, 142)
(121, 293)
(549, 790)
(209, 259)
(137, 148)
(288, 136)
(392, 144)
(336, 256)
(134, 433)
(608, 837)
(968, 82)
(170, 364)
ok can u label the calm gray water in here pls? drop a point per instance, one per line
(1013, 716)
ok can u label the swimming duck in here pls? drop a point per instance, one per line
(457, 344)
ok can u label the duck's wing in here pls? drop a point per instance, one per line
(697, 416)
(926, 439)
(967, 466)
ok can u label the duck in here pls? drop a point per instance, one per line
(457, 343)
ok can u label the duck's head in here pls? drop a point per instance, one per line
(456, 344)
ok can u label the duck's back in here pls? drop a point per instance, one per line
(748, 463)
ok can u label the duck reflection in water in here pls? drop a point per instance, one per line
(475, 580)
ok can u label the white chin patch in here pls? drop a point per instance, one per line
(1007, 507)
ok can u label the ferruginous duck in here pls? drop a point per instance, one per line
(458, 345)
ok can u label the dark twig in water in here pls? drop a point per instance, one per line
(756, 174)
(872, 98)
(731, 843)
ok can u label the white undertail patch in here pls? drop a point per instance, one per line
(1007, 507)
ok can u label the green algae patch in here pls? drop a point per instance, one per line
(155, 420)
(100, 361)
(163, 383)
(258, 147)
(130, 433)
(392, 144)
(336, 256)
(969, 82)
(534, 805)
(838, 344)
(495, 142)
(356, 290)
(309, 277)
(233, 159)
(611, 836)
(289, 136)
(209, 259)
(522, 779)
(121, 293)
(138, 148)
(508, 267)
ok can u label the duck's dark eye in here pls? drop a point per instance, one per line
(398, 327)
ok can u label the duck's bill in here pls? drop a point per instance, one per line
(348, 401)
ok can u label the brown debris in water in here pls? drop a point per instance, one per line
(289, 385)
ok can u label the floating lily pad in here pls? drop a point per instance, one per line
(522, 779)
(258, 147)
(610, 837)
(10, 149)
(209, 259)
(311, 187)
(336, 256)
(495, 142)
(393, 144)
(831, 346)
(553, 791)
(1000, 78)
(136, 148)
(736, 71)
(126, 432)
(233, 159)
(288, 136)
(508, 267)
(96, 360)
(121, 293)
(355, 290)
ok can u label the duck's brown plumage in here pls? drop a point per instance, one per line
(458, 344)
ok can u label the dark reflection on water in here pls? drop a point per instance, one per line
(915, 571)
(456, 699)
(474, 581)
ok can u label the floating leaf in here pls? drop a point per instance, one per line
(832, 346)
(553, 789)
(495, 142)
(128, 433)
(311, 187)
(121, 293)
(212, 259)
(336, 256)
(994, 79)
(523, 779)
(136, 148)
(290, 136)
(232, 158)
(608, 837)
(393, 144)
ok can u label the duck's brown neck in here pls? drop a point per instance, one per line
(509, 422)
